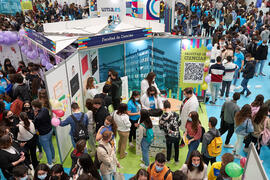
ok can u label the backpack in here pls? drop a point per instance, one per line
(97, 163)
(149, 134)
(166, 174)
(265, 134)
(81, 131)
(215, 146)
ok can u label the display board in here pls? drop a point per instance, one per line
(152, 9)
(94, 64)
(11, 52)
(26, 5)
(10, 7)
(111, 58)
(74, 79)
(108, 8)
(166, 64)
(58, 89)
(134, 8)
(254, 168)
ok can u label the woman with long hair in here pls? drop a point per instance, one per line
(27, 134)
(134, 108)
(123, 126)
(91, 126)
(90, 88)
(147, 82)
(75, 155)
(36, 85)
(142, 174)
(256, 104)
(145, 125)
(11, 121)
(193, 132)
(261, 120)
(194, 167)
(43, 98)
(87, 166)
(42, 172)
(151, 100)
(243, 126)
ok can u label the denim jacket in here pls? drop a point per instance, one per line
(245, 128)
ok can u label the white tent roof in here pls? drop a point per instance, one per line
(62, 41)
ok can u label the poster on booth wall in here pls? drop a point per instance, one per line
(93, 8)
(57, 86)
(11, 52)
(10, 7)
(152, 10)
(193, 57)
(74, 79)
(26, 5)
(134, 8)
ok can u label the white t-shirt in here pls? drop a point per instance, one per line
(90, 93)
(122, 121)
(25, 135)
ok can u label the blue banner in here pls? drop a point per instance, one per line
(42, 40)
(113, 38)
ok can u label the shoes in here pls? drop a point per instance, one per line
(242, 92)
(248, 93)
(54, 161)
(131, 145)
(211, 102)
(228, 145)
(256, 75)
(237, 156)
(143, 166)
(246, 150)
(238, 87)
(262, 74)
(40, 155)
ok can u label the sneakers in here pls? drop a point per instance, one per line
(131, 145)
(228, 145)
(237, 156)
(256, 75)
(211, 102)
(40, 155)
(248, 93)
(262, 74)
(242, 92)
(143, 166)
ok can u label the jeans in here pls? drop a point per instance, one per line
(46, 143)
(145, 151)
(244, 85)
(73, 141)
(235, 77)
(239, 143)
(132, 134)
(214, 86)
(224, 126)
(107, 176)
(175, 142)
(261, 64)
(227, 85)
(192, 146)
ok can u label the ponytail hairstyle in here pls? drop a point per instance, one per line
(23, 116)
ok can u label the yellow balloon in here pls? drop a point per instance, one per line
(204, 86)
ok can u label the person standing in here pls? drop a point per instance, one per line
(207, 138)
(170, 123)
(134, 108)
(76, 120)
(243, 126)
(158, 170)
(147, 82)
(91, 91)
(228, 111)
(217, 71)
(99, 113)
(261, 57)
(116, 89)
(248, 73)
(42, 121)
(123, 127)
(230, 68)
(239, 61)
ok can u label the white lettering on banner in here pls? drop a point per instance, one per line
(127, 36)
(117, 37)
(110, 9)
(108, 39)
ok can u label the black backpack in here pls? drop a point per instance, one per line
(97, 163)
(81, 131)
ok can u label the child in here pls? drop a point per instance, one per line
(207, 138)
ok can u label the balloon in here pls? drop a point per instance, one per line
(49, 66)
(208, 78)
(209, 47)
(58, 113)
(20, 43)
(233, 169)
(204, 86)
(21, 32)
(205, 69)
(55, 121)
(243, 162)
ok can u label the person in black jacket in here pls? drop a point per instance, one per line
(261, 57)
(22, 90)
(248, 73)
(107, 100)
(42, 121)
(116, 89)
(100, 113)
